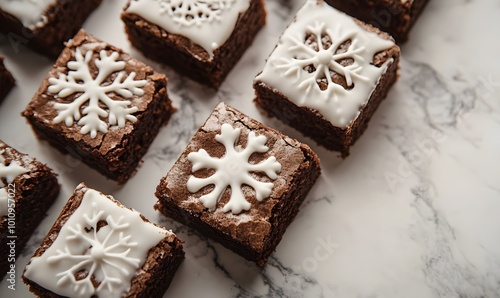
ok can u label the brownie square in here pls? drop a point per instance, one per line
(327, 76)
(239, 182)
(27, 190)
(44, 25)
(99, 248)
(198, 39)
(6, 80)
(100, 105)
(395, 17)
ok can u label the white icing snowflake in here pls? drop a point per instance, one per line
(8, 173)
(324, 54)
(103, 258)
(194, 12)
(233, 170)
(79, 81)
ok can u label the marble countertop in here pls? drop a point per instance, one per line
(414, 211)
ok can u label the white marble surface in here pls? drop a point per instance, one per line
(413, 212)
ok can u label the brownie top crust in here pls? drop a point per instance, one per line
(94, 94)
(30, 13)
(329, 62)
(278, 166)
(96, 248)
(206, 23)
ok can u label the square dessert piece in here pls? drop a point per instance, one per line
(327, 76)
(99, 248)
(239, 182)
(6, 81)
(100, 105)
(44, 25)
(27, 190)
(396, 17)
(202, 40)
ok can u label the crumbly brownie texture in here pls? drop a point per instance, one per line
(262, 177)
(44, 25)
(396, 17)
(204, 48)
(33, 188)
(6, 80)
(109, 127)
(99, 248)
(327, 90)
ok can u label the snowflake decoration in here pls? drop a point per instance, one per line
(105, 256)
(96, 92)
(194, 12)
(233, 170)
(321, 57)
(8, 173)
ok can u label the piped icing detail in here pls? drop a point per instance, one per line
(233, 170)
(31, 13)
(319, 53)
(208, 23)
(94, 93)
(9, 173)
(97, 251)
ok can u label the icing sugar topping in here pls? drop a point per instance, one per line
(208, 23)
(233, 170)
(9, 173)
(319, 53)
(94, 91)
(97, 251)
(29, 12)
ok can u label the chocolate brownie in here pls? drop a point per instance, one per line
(327, 76)
(200, 40)
(44, 25)
(100, 105)
(239, 182)
(6, 80)
(99, 248)
(27, 190)
(396, 17)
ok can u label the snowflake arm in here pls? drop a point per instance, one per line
(11, 171)
(209, 200)
(238, 202)
(269, 166)
(68, 112)
(107, 65)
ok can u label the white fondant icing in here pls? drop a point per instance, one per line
(110, 254)
(29, 12)
(286, 71)
(233, 170)
(208, 23)
(93, 90)
(8, 173)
